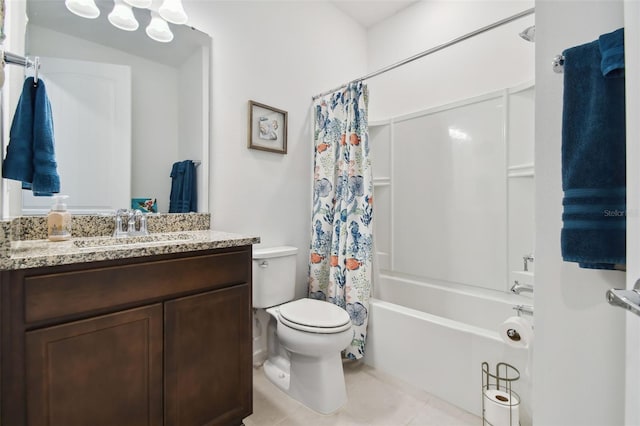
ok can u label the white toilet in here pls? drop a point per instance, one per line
(304, 337)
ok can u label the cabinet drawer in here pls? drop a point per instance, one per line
(89, 290)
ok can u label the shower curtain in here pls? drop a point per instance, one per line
(341, 237)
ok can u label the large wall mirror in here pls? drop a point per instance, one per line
(125, 107)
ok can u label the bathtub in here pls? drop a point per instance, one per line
(436, 336)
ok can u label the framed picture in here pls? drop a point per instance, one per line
(267, 128)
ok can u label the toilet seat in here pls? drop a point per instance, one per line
(314, 316)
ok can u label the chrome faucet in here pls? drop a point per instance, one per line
(143, 224)
(139, 218)
(527, 258)
(518, 288)
(120, 232)
(131, 217)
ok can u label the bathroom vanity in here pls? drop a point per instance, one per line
(146, 334)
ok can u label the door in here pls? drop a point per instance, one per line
(629, 298)
(632, 65)
(100, 371)
(208, 365)
(91, 108)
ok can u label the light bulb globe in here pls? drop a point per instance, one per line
(172, 11)
(84, 8)
(158, 29)
(122, 17)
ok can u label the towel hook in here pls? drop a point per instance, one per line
(36, 67)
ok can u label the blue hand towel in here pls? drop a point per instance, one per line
(18, 163)
(593, 154)
(30, 155)
(184, 196)
(46, 180)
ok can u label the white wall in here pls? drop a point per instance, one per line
(279, 54)
(449, 195)
(579, 348)
(491, 61)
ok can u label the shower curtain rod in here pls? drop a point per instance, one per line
(433, 50)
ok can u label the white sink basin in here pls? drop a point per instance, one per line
(143, 240)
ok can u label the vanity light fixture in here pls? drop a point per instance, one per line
(122, 16)
(158, 29)
(172, 11)
(84, 8)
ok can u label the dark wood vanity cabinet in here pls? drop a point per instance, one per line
(162, 340)
(98, 371)
(201, 385)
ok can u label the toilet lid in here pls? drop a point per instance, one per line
(314, 316)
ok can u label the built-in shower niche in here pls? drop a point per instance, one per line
(454, 190)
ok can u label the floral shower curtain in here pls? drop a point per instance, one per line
(341, 241)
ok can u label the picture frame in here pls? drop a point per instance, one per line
(267, 130)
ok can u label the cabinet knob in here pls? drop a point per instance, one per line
(264, 264)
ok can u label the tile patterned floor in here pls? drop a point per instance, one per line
(375, 399)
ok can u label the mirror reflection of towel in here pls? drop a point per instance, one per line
(30, 155)
(184, 196)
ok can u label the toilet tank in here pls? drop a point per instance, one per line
(274, 276)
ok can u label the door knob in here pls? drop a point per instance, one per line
(627, 299)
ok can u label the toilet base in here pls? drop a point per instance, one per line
(318, 383)
(277, 371)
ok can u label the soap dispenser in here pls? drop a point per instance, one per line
(59, 220)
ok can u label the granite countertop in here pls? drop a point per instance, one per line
(38, 253)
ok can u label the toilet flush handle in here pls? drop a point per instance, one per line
(264, 264)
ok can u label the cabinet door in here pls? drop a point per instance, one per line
(100, 371)
(208, 368)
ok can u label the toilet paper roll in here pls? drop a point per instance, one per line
(517, 332)
(501, 408)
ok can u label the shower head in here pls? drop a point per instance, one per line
(529, 34)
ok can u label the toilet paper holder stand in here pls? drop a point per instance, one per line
(502, 380)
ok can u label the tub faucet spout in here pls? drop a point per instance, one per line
(518, 288)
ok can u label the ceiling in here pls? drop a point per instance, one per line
(53, 14)
(369, 13)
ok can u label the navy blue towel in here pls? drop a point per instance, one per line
(30, 155)
(594, 154)
(184, 196)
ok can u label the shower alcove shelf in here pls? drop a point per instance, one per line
(461, 172)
